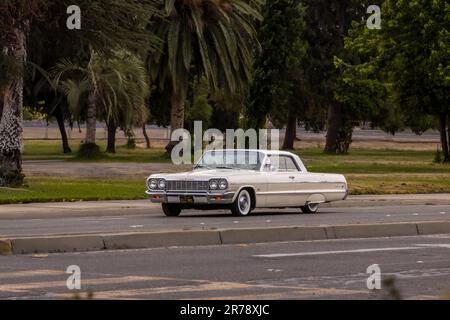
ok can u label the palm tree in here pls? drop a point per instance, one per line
(211, 38)
(112, 87)
(106, 24)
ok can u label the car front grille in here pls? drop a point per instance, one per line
(199, 186)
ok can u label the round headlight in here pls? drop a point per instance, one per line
(223, 184)
(213, 185)
(152, 184)
(162, 184)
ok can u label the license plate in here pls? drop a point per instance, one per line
(186, 199)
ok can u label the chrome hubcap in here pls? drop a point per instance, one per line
(244, 203)
(313, 206)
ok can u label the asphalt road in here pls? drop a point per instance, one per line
(210, 220)
(332, 269)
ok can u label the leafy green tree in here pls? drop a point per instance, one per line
(327, 24)
(414, 66)
(277, 86)
(210, 38)
(199, 108)
(106, 24)
(226, 111)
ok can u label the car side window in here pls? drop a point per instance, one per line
(284, 164)
(290, 164)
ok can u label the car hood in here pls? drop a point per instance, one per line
(204, 174)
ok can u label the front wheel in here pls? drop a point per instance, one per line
(243, 204)
(171, 210)
(310, 208)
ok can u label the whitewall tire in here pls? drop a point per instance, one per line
(242, 206)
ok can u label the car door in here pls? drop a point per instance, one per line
(281, 182)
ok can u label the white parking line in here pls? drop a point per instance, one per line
(317, 253)
(441, 245)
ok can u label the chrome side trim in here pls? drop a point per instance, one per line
(300, 192)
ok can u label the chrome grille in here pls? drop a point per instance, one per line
(201, 186)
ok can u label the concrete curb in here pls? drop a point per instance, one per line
(53, 244)
(82, 243)
(161, 239)
(372, 231)
(435, 227)
(260, 235)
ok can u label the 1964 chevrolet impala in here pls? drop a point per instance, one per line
(242, 180)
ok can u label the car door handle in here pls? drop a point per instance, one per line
(291, 177)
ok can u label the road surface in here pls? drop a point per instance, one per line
(332, 269)
(149, 217)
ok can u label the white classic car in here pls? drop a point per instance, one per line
(242, 180)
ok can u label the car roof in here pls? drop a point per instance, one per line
(268, 152)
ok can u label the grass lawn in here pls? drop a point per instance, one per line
(58, 190)
(368, 171)
(383, 171)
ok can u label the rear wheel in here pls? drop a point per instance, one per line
(171, 210)
(242, 206)
(310, 208)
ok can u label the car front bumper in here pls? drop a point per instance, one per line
(199, 198)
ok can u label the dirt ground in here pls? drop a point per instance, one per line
(375, 144)
(57, 168)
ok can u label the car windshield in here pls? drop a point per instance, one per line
(231, 159)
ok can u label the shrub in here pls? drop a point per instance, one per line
(89, 151)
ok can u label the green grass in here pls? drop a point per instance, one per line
(376, 161)
(368, 171)
(58, 190)
(69, 190)
(398, 184)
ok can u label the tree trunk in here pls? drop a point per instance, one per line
(340, 131)
(291, 132)
(444, 141)
(111, 147)
(11, 120)
(62, 129)
(448, 133)
(91, 119)
(334, 124)
(176, 117)
(147, 139)
(1, 104)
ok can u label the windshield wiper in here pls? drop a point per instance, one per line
(226, 167)
(202, 166)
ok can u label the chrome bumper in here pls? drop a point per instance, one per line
(198, 197)
(346, 194)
